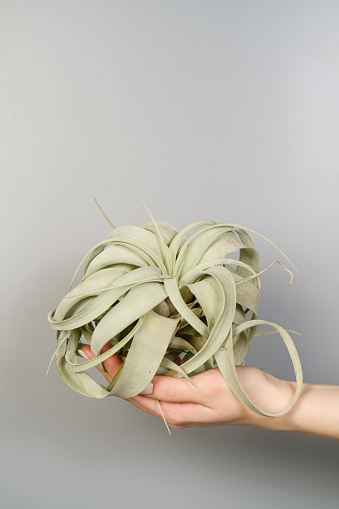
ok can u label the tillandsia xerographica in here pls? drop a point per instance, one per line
(156, 294)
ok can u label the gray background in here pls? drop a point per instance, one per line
(215, 110)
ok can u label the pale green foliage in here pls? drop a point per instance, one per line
(158, 293)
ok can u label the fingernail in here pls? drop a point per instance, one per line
(83, 354)
(148, 389)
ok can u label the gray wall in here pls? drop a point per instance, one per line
(220, 110)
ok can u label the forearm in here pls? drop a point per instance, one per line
(316, 411)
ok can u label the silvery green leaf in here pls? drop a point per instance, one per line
(137, 302)
(145, 355)
(225, 359)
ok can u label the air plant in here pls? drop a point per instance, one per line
(156, 294)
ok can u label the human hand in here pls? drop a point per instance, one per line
(211, 402)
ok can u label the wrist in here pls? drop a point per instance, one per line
(315, 412)
(272, 396)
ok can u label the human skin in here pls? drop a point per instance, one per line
(212, 403)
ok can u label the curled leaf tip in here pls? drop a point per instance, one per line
(264, 270)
